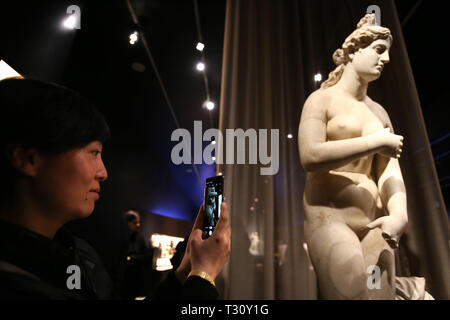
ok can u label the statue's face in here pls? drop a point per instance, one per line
(369, 62)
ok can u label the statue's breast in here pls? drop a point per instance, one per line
(351, 119)
(343, 126)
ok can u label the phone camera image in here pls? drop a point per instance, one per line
(211, 204)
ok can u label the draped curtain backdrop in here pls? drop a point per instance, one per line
(272, 50)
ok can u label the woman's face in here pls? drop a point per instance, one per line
(68, 184)
(369, 62)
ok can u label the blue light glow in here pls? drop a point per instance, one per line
(173, 214)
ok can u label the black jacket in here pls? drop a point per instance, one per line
(36, 267)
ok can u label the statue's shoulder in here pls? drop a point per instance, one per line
(319, 98)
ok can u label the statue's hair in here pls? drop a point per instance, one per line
(367, 31)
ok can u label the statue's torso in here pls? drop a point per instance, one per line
(348, 118)
(348, 193)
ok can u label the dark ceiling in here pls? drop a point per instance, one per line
(97, 61)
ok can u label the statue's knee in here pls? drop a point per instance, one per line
(347, 271)
(350, 282)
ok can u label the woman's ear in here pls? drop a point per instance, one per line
(26, 161)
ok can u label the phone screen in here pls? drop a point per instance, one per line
(212, 200)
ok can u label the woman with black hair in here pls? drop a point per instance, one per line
(51, 170)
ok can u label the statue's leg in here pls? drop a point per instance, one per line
(379, 256)
(337, 256)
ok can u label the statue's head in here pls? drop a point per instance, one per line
(366, 48)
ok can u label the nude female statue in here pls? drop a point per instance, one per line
(355, 197)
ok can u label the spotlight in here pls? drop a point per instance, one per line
(213, 142)
(318, 77)
(200, 46)
(210, 105)
(200, 66)
(134, 37)
(213, 158)
(70, 22)
(289, 136)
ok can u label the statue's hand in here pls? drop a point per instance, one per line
(392, 229)
(390, 143)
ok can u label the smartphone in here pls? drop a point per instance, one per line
(213, 195)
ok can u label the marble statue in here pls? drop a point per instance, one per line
(355, 197)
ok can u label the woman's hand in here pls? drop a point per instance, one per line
(185, 266)
(392, 228)
(390, 143)
(207, 255)
(211, 254)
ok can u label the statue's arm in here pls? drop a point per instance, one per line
(390, 180)
(318, 154)
(392, 187)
